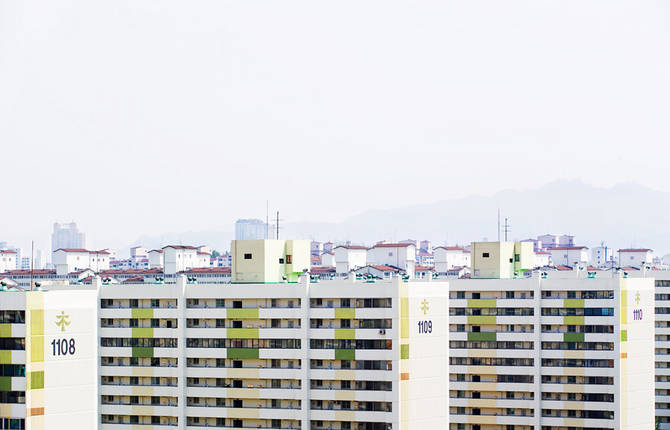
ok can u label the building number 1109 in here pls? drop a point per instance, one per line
(425, 327)
(62, 347)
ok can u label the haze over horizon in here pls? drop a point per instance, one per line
(140, 118)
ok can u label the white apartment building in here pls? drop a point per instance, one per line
(635, 257)
(602, 256)
(548, 241)
(542, 258)
(557, 353)
(328, 259)
(7, 260)
(155, 259)
(350, 257)
(449, 257)
(401, 255)
(332, 355)
(68, 260)
(177, 258)
(569, 255)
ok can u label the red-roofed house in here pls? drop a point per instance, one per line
(402, 255)
(636, 257)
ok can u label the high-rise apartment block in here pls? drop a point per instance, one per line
(67, 236)
(252, 229)
(274, 352)
(551, 351)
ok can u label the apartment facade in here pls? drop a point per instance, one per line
(554, 353)
(329, 355)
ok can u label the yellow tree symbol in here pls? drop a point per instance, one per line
(637, 298)
(62, 320)
(424, 306)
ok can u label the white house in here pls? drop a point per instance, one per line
(178, 258)
(401, 255)
(155, 259)
(7, 260)
(542, 258)
(635, 257)
(448, 257)
(569, 255)
(68, 260)
(328, 259)
(349, 257)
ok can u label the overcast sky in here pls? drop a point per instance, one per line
(134, 117)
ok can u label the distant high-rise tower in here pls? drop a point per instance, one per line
(67, 236)
(252, 229)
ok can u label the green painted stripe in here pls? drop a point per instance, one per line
(482, 336)
(404, 307)
(624, 335)
(242, 353)
(345, 354)
(35, 380)
(143, 332)
(5, 383)
(404, 352)
(5, 330)
(404, 328)
(345, 313)
(242, 333)
(5, 357)
(345, 333)
(242, 313)
(142, 313)
(482, 319)
(482, 303)
(143, 352)
(573, 303)
(573, 337)
(573, 320)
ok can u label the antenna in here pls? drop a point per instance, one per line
(506, 228)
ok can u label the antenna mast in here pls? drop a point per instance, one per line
(506, 228)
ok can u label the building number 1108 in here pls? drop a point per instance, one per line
(425, 327)
(62, 347)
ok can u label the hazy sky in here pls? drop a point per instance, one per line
(138, 117)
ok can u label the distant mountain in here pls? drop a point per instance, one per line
(624, 215)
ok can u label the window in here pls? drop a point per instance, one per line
(485, 255)
(247, 256)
